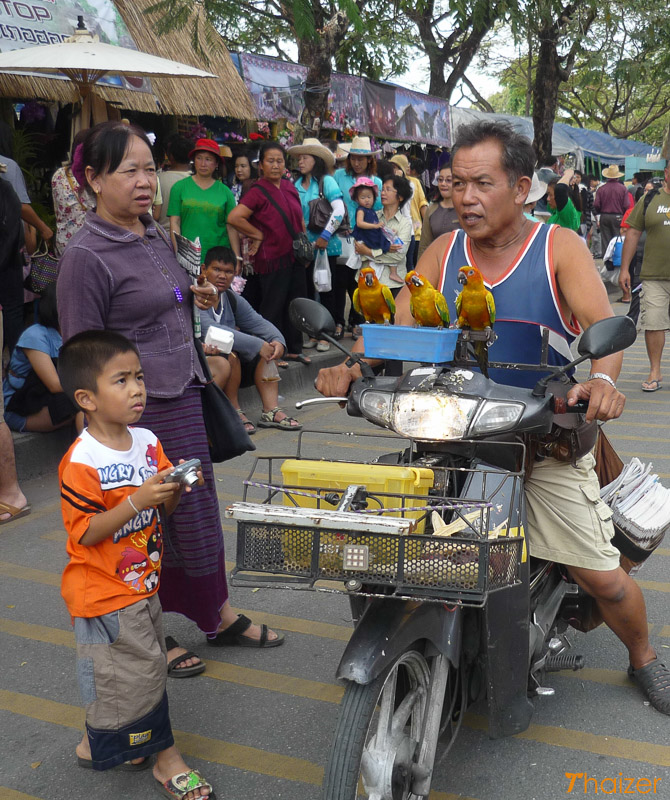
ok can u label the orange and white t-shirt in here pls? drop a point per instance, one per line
(126, 566)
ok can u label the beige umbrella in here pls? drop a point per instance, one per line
(84, 59)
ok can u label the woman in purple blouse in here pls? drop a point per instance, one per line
(119, 273)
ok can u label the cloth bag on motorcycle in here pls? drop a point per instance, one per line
(571, 437)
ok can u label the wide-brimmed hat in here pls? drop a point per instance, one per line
(612, 172)
(313, 147)
(360, 146)
(225, 151)
(342, 151)
(401, 161)
(363, 180)
(538, 189)
(208, 145)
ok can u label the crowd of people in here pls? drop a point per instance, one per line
(124, 305)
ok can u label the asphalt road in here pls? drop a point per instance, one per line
(259, 723)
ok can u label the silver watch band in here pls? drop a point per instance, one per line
(603, 377)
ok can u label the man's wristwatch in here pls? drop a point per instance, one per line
(603, 377)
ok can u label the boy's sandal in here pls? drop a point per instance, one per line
(14, 512)
(234, 635)
(269, 420)
(249, 426)
(173, 669)
(127, 766)
(654, 680)
(180, 785)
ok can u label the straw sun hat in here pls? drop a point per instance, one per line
(612, 172)
(313, 147)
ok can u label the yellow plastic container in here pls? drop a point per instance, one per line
(394, 480)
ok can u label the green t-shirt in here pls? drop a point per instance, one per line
(656, 222)
(202, 212)
(567, 217)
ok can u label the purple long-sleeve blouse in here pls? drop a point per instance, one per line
(110, 278)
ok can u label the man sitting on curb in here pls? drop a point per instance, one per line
(256, 346)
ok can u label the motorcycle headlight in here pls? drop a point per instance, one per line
(433, 417)
(495, 415)
(376, 406)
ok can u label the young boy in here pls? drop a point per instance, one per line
(111, 487)
(257, 343)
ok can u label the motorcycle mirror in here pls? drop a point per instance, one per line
(310, 317)
(601, 339)
(607, 336)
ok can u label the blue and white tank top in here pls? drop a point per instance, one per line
(527, 302)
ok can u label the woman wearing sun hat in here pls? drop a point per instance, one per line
(360, 162)
(314, 162)
(199, 205)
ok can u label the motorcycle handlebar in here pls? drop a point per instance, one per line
(560, 406)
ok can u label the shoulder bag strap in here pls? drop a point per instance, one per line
(70, 180)
(289, 227)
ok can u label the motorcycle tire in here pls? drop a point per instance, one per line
(400, 694)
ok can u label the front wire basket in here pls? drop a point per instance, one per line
(376, 550)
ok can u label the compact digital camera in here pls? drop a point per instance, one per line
(186, 473)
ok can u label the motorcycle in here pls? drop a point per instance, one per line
(448, 607)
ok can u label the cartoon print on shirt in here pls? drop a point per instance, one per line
(151, 581)
(132, 567)
(155, 546)
(151, 457)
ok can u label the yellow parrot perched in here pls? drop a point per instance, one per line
(476, 310)
(373, 299)
(426, 304)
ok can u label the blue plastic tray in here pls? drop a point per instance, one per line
(402, 343)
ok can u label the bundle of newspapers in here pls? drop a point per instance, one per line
(640, 504)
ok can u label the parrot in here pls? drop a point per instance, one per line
(476, 310)
(427, 305)
(373, 299)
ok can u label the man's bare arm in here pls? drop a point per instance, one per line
(583, 293)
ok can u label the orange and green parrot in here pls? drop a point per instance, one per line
(476, 310)
(373, 299)
(426, 304)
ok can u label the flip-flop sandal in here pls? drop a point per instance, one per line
(282, 364)
(233, 635)
(654, 680)
(127, 766)
(268, 420)
(303, 359)
(249, 426)
(14, 512)
(180, 785)
(651, 386)
(184, 672)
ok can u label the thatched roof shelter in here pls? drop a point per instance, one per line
(224, 96)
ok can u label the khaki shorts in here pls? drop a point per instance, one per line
(567, 521)
(655, 306)
(122, 671)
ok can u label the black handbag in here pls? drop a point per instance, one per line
(226, 435)
(303, 249)
(320, 211)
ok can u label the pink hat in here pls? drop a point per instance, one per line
(366, 182)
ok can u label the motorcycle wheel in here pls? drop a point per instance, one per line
(378, 735)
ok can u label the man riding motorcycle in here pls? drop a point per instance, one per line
(541, 277)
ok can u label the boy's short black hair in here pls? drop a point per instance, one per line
(83, 358)
(223, 254)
